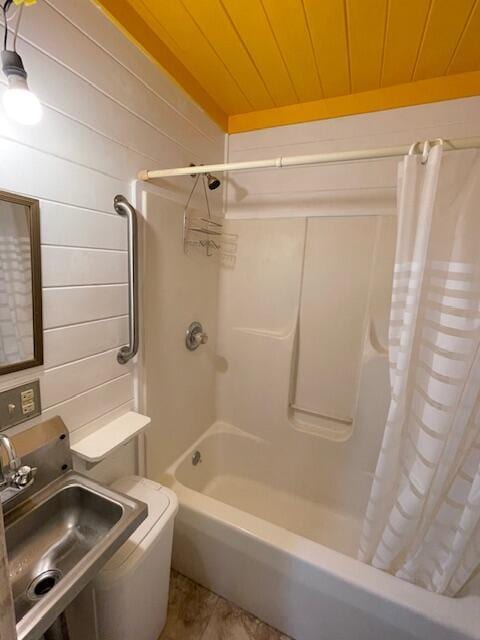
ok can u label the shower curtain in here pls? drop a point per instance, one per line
(423, 518)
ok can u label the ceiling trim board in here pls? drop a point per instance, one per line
(138, 32)
(462, 85)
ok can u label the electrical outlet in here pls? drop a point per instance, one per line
(19, 404)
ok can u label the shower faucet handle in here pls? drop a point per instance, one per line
(195, 336)
(201, 337)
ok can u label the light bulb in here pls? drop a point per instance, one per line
(20, 103)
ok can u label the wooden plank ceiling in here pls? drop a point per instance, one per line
(258, 63)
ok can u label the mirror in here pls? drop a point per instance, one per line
(21, 338)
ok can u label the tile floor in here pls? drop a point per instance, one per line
(194, 613)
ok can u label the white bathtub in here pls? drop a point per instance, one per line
(242, 533)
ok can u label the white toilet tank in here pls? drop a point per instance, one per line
(131, 591)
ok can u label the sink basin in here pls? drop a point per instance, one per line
(57, 540)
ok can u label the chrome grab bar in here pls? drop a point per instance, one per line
(124, 208)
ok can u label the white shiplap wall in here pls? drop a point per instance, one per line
(109, 112)
(338, 189)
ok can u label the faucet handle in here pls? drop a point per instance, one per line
(200, 337)
(24, 476)
(195, 336)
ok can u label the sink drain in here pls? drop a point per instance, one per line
(43, 583)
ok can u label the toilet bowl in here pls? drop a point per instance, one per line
(130, 594)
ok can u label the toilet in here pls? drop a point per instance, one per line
(130, 593)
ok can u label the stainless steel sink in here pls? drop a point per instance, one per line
(57, 540)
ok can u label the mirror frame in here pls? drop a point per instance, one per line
(33, 216)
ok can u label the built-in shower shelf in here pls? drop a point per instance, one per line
(96, 446)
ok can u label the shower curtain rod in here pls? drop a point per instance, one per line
(296, 161)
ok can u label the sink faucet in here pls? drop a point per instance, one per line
(14, 476)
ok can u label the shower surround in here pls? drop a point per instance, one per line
(271, 516)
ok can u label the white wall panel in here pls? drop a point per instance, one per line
(109, 111)
(41, 175)
(325, 202)
(70, 95)
(86, 146)
(349, 188)
(88, 406)
(70, 305)
(67, 344)
(351, 127)
(180, 288)
(82, 266)
(67, 381)
(77, 51)
(107, 36)
(74, 227)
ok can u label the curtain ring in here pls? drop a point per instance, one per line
(438, 141)
(413, 148)
(425, 151)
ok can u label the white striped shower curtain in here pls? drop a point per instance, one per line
(423, 518)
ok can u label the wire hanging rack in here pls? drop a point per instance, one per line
(205, 231)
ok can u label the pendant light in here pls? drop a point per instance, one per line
(19, 102)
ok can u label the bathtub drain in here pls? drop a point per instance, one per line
(196, 458)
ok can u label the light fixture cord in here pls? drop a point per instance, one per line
(16, 27)
(5, 8)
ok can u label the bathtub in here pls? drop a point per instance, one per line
(245, 531)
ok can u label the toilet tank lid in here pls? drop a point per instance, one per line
(158, 499)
